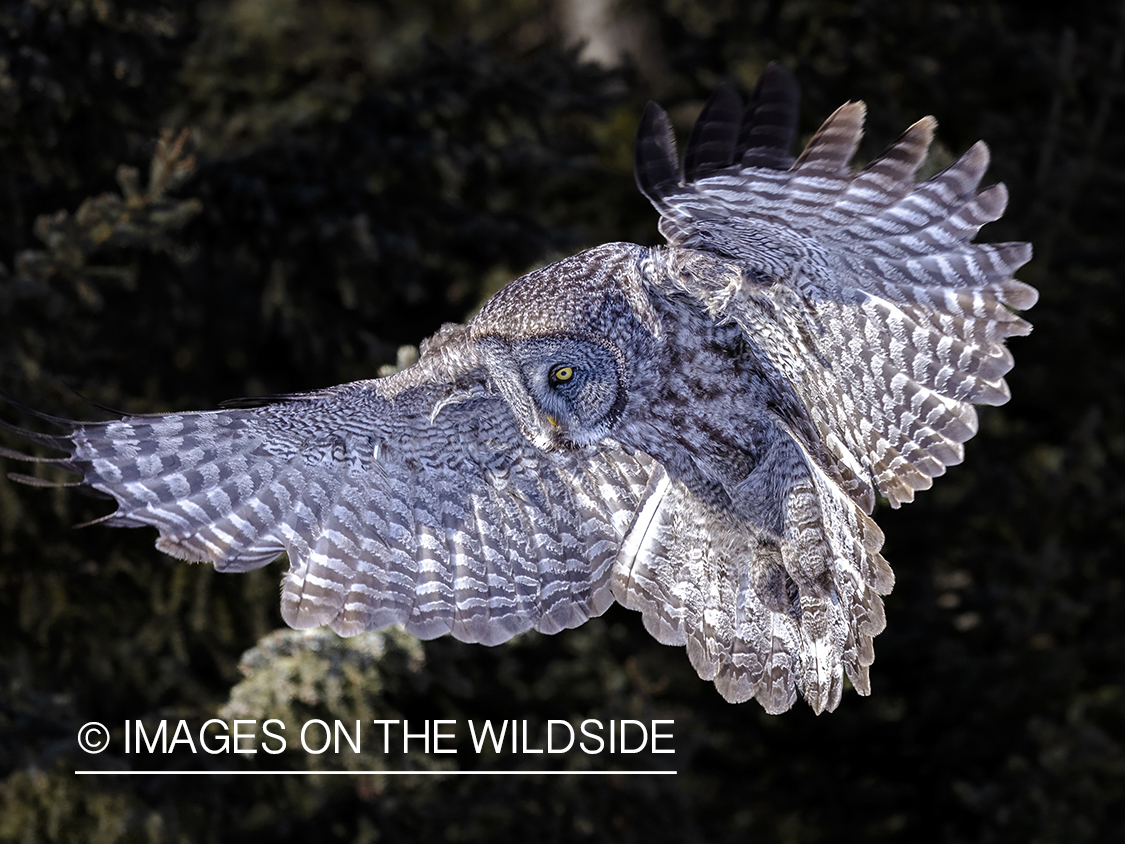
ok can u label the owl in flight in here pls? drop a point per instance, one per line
(697, 431)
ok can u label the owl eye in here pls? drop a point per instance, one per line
(561, 373)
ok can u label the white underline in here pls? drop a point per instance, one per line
(384, 773)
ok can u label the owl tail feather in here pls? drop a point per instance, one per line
(761, 615)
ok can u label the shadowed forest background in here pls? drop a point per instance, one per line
(354, 174)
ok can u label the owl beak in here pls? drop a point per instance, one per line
(543, 429)
(508, 380)
(547, 438)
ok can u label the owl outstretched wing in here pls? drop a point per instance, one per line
(863, 290)
(864, 294)
(413, 499)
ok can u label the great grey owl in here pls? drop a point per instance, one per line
(697, 431)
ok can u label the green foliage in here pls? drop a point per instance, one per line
(137, 219)
(364, 171)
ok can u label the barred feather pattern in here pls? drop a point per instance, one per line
(420, 505)
(864, 290)
(697, 431)
(762, 615)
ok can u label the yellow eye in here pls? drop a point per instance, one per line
(561, 373)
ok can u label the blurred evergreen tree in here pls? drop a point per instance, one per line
(364, 171)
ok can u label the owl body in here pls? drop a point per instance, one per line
(697, 431)
(687, 388)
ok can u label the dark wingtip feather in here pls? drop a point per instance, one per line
(7, 398)
(12, 454)
(249, 402)
(62, 443)
(32, 480)
(101, 520)
(769, 122)
(726, 134)
(67, 464)
(59, 442)
(714, 137)
(113, 411)
(655, 164)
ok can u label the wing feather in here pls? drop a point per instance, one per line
(864, 291)
(446, 522)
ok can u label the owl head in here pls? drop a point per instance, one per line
(561, 344)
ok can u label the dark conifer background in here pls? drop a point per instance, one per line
(357, 173)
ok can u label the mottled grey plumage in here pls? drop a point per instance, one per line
(696, 431)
